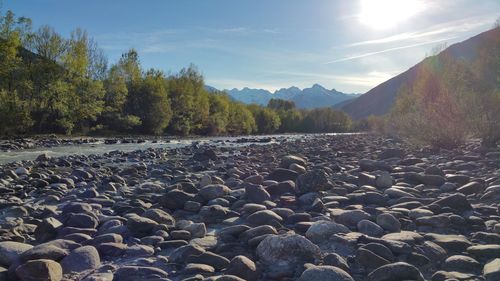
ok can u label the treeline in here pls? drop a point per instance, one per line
(51, 84)
(450, 101)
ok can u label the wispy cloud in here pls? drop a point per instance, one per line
(171, 40)
(451, 28)
(388, 50)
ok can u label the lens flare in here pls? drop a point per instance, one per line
(383, 14)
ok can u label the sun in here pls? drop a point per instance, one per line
(384, 14)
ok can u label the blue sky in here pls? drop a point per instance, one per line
(349, 45)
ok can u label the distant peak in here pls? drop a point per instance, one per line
(317, 86)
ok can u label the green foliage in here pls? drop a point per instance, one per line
(50, 84)
(184, 88)
(149, 101)
(219, 114)
(279, 104)
(290, 120)
(241, 120)
(267, 120)
(14, 114)
(326, 120)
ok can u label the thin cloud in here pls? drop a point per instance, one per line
(453, 27)
(388, 50)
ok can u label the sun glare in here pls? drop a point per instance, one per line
(382, 14)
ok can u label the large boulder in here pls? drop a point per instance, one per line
(256, 193)
(395, 272)
(388, 222)
(11, 251)
(213, 191)
(280, 188)
(320, 231)
(47, 229)
(351, 218)
(281, 174)
(472, 187)
(159, 216)
(369, 228)
(243, 267)
(213, 213)
(315, 180)
(81, 221)
(134, 273)
(485, 252)
(384, 180)
(492, 270)
(81, 259)
(175, 199)
(38, 270)
(456, 201)
(44, 251)
(264, 217)
(461, 263)
(140, 226)
(283, 254)
(325, 273)
(182, 253)
(288, 160)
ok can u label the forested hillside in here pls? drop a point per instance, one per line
(52, 84)
(379, 100)
(451, 96)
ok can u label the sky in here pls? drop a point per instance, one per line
(349, 45)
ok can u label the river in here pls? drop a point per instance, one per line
(100, 147)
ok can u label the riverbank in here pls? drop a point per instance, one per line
(8, 144)
(341, 208)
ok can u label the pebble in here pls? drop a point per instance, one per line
(319, 207)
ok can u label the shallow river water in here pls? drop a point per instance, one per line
(101, 148)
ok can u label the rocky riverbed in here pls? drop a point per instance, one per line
(311, 209)
(54, 141)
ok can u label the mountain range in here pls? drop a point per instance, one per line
(315, 96)
(380, 99)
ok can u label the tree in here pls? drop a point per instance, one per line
(47, 75)
(267, 120)
(219, 114)
(84, 93)
(290, 120)
(201, 115)
(241, 120)
(130, 67)
(149, 102)
(49, 84)
(279, 104)
(14, 114)
(326, 120)
(484, 104)
(431, 111)
(187, 92)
